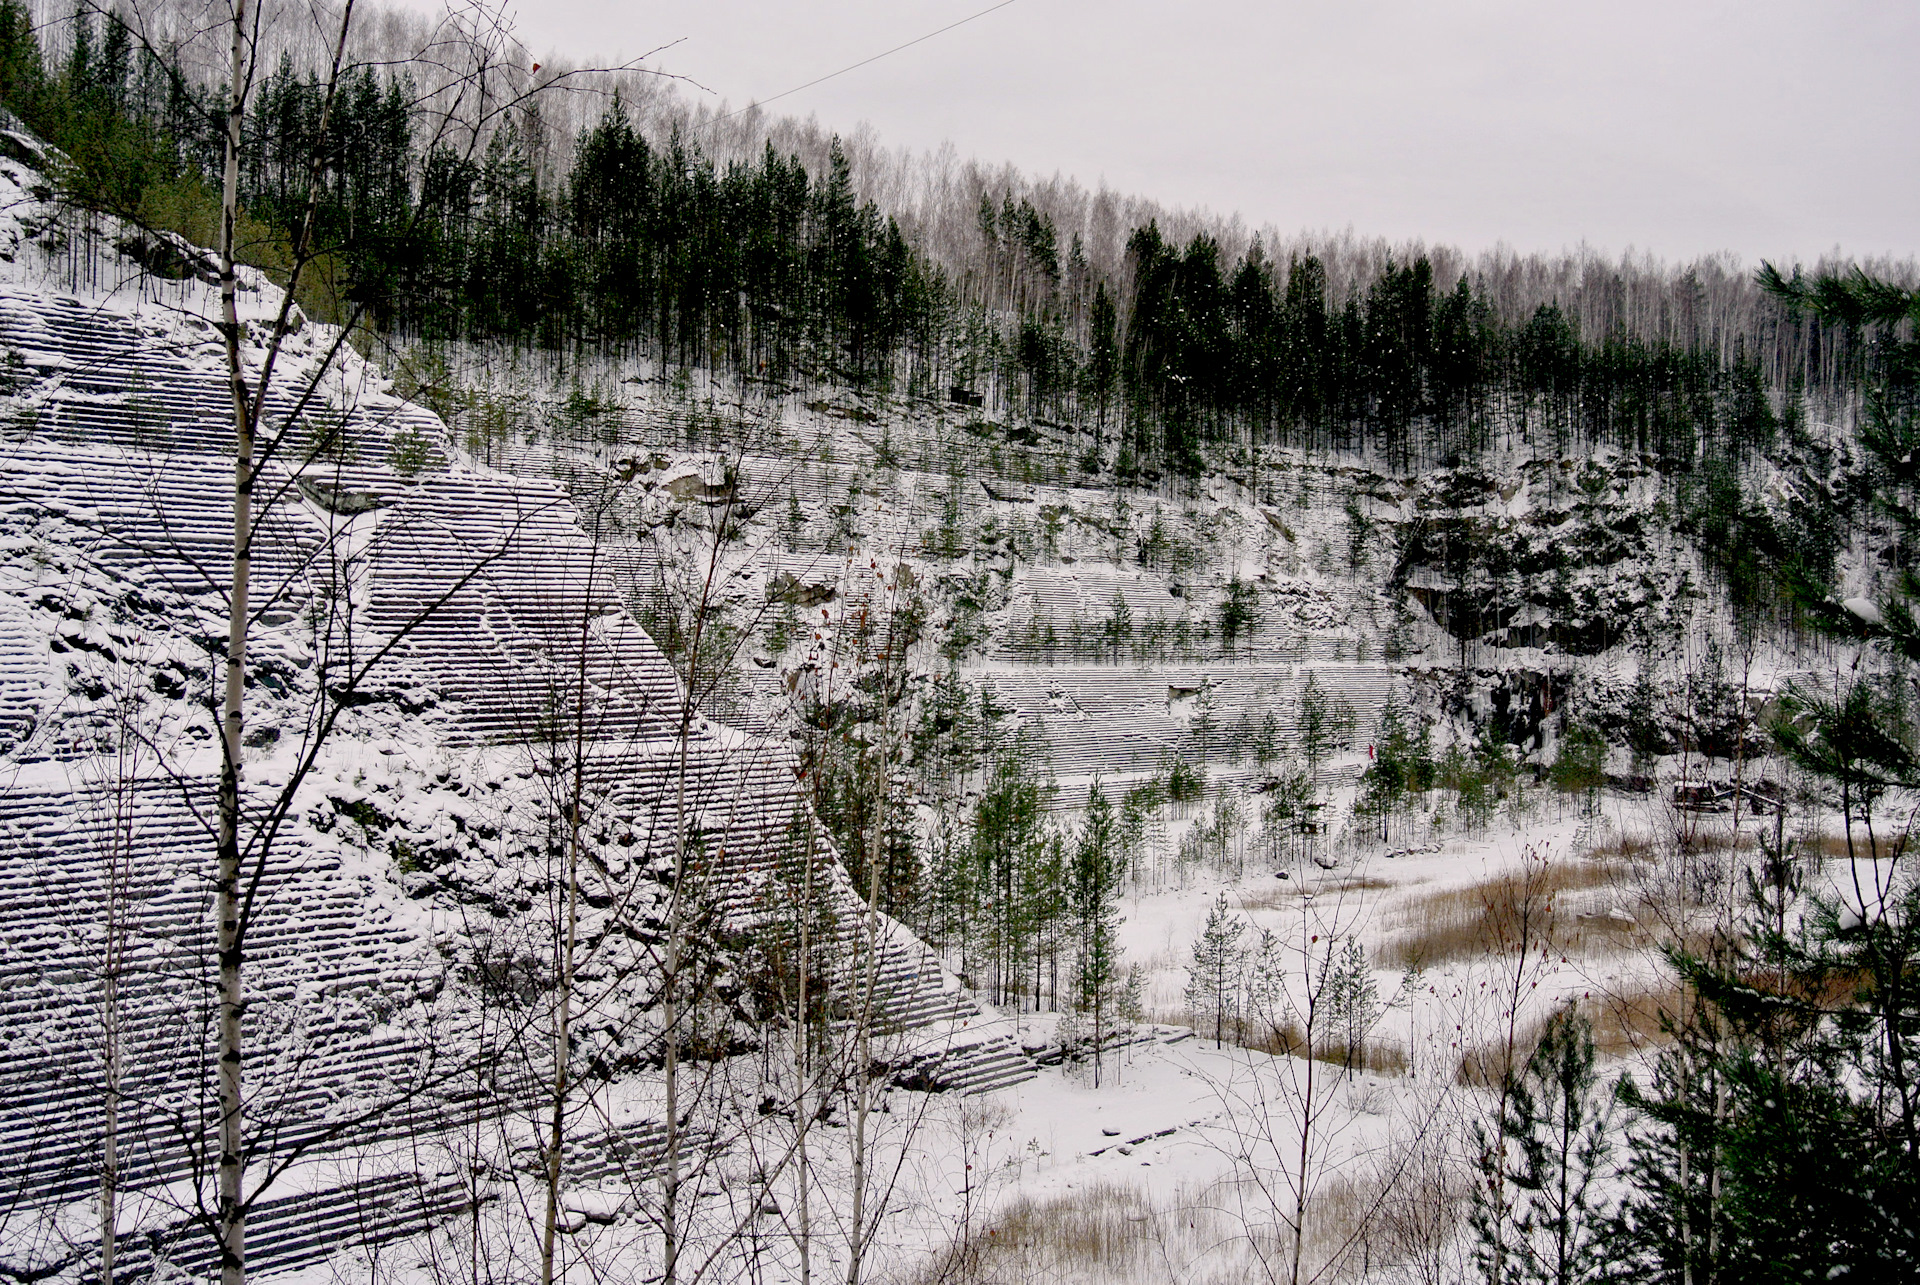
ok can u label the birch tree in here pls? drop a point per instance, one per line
(249, 399)
(245, 836)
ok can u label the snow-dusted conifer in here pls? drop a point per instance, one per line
(1557, 1123)
(1213, 976)
(1099, 863)
(1352, 1001)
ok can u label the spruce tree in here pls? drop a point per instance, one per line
(21, 75)
(1325, 723)
(1774, 1142)
(1011, 841)
(1239, 612)
(1793, 1073)
(1103, 360)
(1580, 766)
(1402, 764)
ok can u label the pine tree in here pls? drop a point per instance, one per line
(1402, 765)
(1580, 765)
(21, 74)
(1324, 724)
(1352, 1000)
(1099, 864)
(1239, 612)
(1011, 838)
(1775, 1141)
(1214, 973)
(1117, 629)
(1103, 362)
(1783, 1135)
(1540, 1213)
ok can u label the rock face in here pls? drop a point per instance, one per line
(490, 707)
(1552, 556)
(1140, 625)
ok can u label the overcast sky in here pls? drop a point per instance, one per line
(1771, 129)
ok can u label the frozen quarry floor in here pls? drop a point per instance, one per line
(1184, 1162)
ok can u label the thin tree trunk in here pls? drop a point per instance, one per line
(117, 789)
(110, 1124)
(1300, 1189)
(556, 1137)
(114, 961)
(1713, 1178)
(670, 1004)
(863, 1023)
(863, 1035)
(803, 1108)
(676, 922)
(574, 802)
(1099, 1030)
(232, 1214)
(1686, 1203)
(228, 904)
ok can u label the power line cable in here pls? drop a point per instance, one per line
(864, 61)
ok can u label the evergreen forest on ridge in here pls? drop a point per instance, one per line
(1153, 348)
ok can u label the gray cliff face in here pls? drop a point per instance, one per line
(1497, 595)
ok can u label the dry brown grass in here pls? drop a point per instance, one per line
(1466, 923)
(1623, 848)
(1624, 1023)
(1101, 1235)
(1286, 894)
(1101, 1232)
(1276, 897)
(1712, 833)
(1358, 883)
(1339, 1223)
(1708, 833)
(1381, 1057)
(1483, 1065)
(1223, 1235)
(1829, 846)
(1629, 1022)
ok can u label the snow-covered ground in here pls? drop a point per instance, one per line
(1189, 1152)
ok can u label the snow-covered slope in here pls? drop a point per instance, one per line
(496, 645)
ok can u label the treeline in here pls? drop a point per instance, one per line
(1406, 370)
(768, 272)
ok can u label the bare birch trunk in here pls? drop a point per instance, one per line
(574, 803)
(232, 1214)
(1304, 1177)
(803, 1109)
(1300, 1191)
(1686, 1216)
(557, 1124)
(676, 930)
(110, 1123)
(670, 1005)
(111, 1059)
(863, 1034)
(876, 858)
